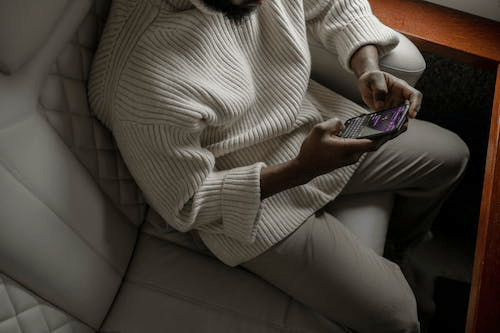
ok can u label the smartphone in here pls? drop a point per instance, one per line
(377, 124)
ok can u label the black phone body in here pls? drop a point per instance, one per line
(377, 124)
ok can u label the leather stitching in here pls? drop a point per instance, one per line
(98, 151)
(212, 306)
(39, 307)
(9, 300)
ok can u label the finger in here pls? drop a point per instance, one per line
(379, 92)
(407, 92)
(399, 92)
(415, 103)
(363, 145)
(394, 100)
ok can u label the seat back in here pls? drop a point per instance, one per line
(69, 210)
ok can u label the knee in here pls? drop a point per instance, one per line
(445, 154)
(403, 316)
(453, 157)
(453, 160)
(397, 317)
(400, 310)
(404, 319)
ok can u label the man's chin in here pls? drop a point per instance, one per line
(240, 16)
(236, 13)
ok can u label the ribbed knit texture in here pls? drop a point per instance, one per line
(198, 105)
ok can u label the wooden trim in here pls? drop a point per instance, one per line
(484, 304)
(450, 53)
(469, 38)
(442, 28)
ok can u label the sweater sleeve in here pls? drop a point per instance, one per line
(344, 26)
(180, 181)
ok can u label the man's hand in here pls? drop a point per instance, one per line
(321, 152)
(381, 90)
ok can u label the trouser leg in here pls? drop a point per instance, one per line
(323, 265)
(420, 167)
(366, 215)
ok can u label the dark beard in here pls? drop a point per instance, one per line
(235, 13)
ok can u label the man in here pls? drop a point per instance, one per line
(212, 108)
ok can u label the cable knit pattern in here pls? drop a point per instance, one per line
(199, 104)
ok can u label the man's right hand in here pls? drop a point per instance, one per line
(321, 152)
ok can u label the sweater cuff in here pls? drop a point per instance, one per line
(363, 31)
(241, 203)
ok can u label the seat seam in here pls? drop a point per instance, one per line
(35, 196)
(68, 321)
(212, 306)
(44, 301)
(41, 314)
(34, 307)
(122, 280)
(15, 312)
(75, 149)
(9, 300)
(404, 70)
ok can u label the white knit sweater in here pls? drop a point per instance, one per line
(198, 105)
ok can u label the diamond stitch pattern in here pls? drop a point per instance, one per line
(63, 101)
(22, 312)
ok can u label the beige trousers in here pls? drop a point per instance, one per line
(325, 266)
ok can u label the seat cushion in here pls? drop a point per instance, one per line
(63, 102)
(18, 40)
(61, 236)
(168, 286)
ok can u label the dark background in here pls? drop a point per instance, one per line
(459, 97)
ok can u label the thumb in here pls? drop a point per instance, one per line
(331, 126)
(338, 126)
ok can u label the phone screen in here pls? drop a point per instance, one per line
(376, 124)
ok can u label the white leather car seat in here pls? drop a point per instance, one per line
(76, 254)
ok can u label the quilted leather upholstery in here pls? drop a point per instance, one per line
(61, 237)
(22, 312)
(63, 101)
